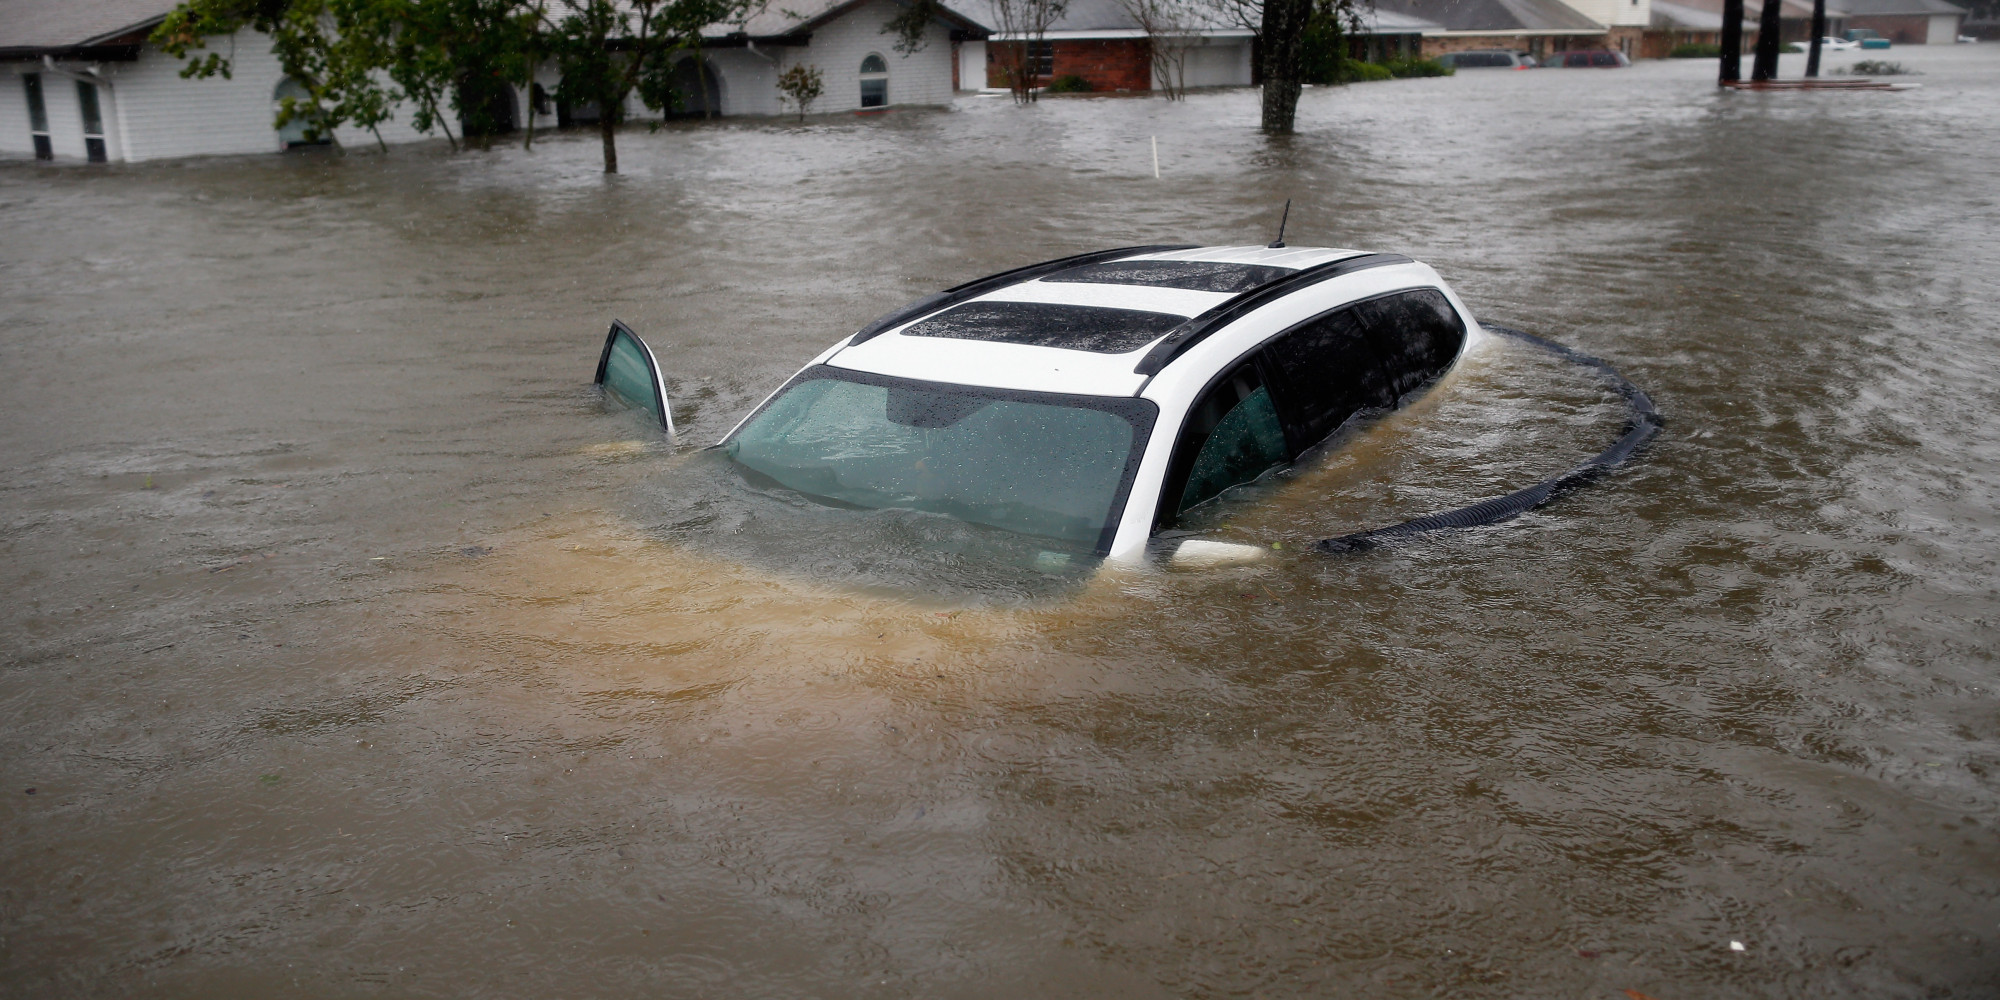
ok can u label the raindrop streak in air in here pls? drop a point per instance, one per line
(351, 648)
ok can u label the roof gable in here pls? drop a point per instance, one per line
(1495, 15)
(62, 24)
(789, 18)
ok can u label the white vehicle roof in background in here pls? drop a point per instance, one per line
(1084, 324)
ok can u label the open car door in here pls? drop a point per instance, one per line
(630, 375)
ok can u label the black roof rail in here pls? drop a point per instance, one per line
(1197, 328)
(973, 289)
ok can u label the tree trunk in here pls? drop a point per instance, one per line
(1769, 30)
(1732, 41)
(1284, 23)
(1818, 32)
(609, 131)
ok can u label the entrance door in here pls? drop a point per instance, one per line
(486, 108)
(697, 91)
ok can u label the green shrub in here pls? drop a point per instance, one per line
(1696, 50)
(1792, 48)
(1322, 48)
(1071, 84)
(1880, 67)
(1417, 67)
(1355, 71)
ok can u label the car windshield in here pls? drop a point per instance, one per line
(1043, 464)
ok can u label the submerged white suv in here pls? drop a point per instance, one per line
(1093, 399)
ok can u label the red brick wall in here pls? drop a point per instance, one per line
(1110, 64)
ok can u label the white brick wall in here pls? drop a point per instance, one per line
(749, 79)
(838, 48)
(14, 136)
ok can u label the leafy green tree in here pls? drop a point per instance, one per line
(334, 67)
(802, 85)
(356, 60)
(610, 49)
(911, 25)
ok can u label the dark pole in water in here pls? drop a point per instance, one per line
(1732, 41)
(1768, 31)
(1818, 32)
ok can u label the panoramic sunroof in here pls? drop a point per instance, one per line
(1045, 324)
(1193, 275)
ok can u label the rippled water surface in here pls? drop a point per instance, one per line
(350, 649)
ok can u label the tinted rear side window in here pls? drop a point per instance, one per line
(1417, 334)
(1329, 370)
(1232, 435)
(1195, 275)
(1042, 324)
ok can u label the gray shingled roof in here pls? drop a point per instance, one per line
(61, 24)
(778, 18)
(1096, 15)
(1865, 7)
(1525, 16)
(1376, 21)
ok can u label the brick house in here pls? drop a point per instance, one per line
(1098, 41)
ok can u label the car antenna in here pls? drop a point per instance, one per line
(1280, 241)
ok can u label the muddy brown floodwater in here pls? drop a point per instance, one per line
(352, 650)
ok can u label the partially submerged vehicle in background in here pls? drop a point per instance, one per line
(1588, 59)
(1093, 400)
(1488, 59)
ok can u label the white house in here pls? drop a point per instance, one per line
(845, 40)
(78, 80)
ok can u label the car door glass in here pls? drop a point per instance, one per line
(1329, 370)
(631, 376)
(1417, 334)
(1235, 436)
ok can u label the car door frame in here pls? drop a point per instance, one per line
(661, 400)
(1275, 382)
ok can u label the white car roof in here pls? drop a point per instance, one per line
(1001, 365)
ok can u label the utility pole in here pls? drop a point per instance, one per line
(1732, 41)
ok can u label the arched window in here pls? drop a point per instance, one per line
(292, 135)
(874, 82)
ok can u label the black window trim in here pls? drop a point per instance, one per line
(1178, 465)
(1180, 462)
(1200, 328)
(659, 389)
(1143, 414)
